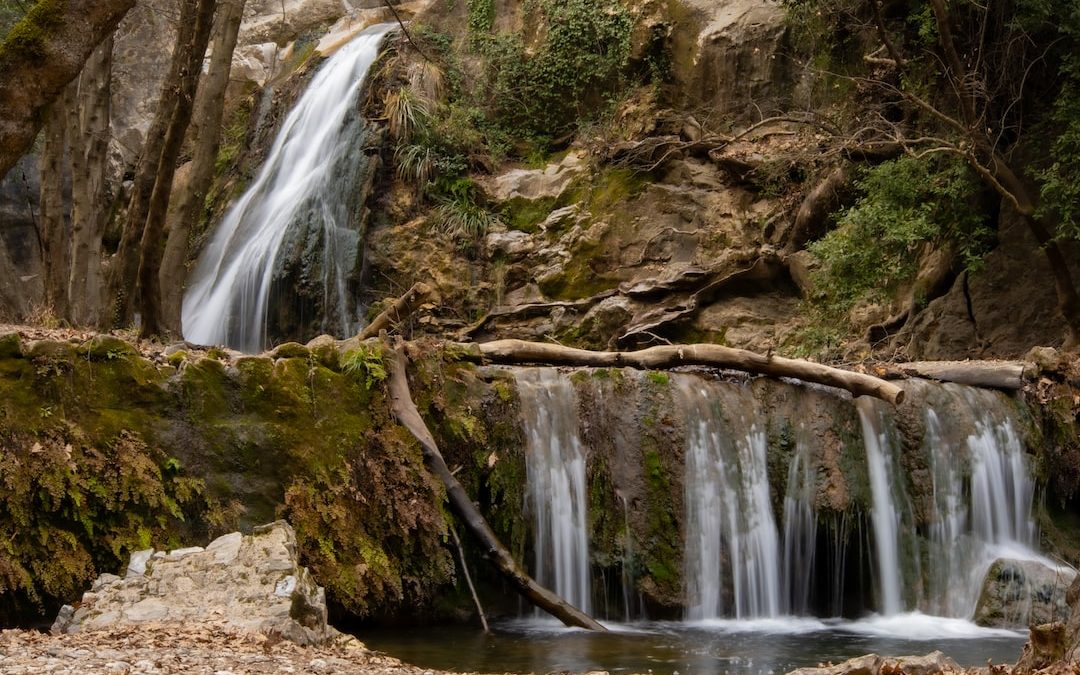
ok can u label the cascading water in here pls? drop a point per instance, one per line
(884, 512)
(800, 532)
(305, 182)
(982, 496)
(555, 466)
(727, 502)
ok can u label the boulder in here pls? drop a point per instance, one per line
(873, 664)
(1020, 593)
(531, 184)
(253, 582)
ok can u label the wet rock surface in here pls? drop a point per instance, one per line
(873, 664)
(253, 583)
(1019, 593)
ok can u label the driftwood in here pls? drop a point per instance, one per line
(534, 309)
(994, 374)
(408, 416)
(520, 351)
(398, 310)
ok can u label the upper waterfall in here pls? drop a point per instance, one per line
(308, 172)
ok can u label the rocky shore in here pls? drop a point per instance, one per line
(204, 648)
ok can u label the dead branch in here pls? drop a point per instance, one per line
(398, 310)
(404, 409)
(662, 357)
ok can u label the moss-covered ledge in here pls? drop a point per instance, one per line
(106, 451)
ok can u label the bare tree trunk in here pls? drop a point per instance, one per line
(152, 242)
(89, 128)
(670, 356)
(124, 268)
(206, 135)
(53, 226)
(398, 310)
(35, 74)
(401, 404)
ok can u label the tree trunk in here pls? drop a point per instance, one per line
(36, 69)
(206, 135)
(152, 242)
(401, 404)
(124, 268)
(53, 226)
(1007, 375)
(670, 356)
(89, 129)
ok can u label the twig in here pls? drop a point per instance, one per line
(406, 31)
(468, 580)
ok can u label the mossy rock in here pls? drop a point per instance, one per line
(105, 348)
(290, 350)
(11, 346)
(51, 350)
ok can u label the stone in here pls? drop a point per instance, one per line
(873, 664)
(737, 57)
(1019, 593)
(801, 266)
(531, 184)
(252, 582)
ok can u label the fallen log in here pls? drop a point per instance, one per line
(669, 356)
(398, 310)
(404, 409)
(994, 374)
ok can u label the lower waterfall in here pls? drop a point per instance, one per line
(927, 501)
(728, 507)
(555, 464)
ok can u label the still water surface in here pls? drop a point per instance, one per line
(736, 647)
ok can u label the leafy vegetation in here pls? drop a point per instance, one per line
(902, 205)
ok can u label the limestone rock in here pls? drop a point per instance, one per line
(252, 582)
(1019, 593)
(736, 60)
(873, 664)
(538, 183)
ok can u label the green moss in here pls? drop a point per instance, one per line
(527, 214)
(658, 377)
(28, 38)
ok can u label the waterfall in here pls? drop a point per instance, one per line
(555, 467)
(305, 182)
(982, 495)
(800, 531)
(728, 508)
(884, 512)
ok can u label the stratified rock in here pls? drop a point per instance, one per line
(252, 582)
(1019, 593)
(872, 664)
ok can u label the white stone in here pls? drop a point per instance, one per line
(137, 565)
(285, 587)
(179, 553)
(226, 547)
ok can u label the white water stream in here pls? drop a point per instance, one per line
(555, 465)
(228, 293)
(884, 512)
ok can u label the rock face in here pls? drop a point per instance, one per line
(252, 582)
(1019, 593)
(872, 664)
(735, 61)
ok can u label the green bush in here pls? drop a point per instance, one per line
(903, 204)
